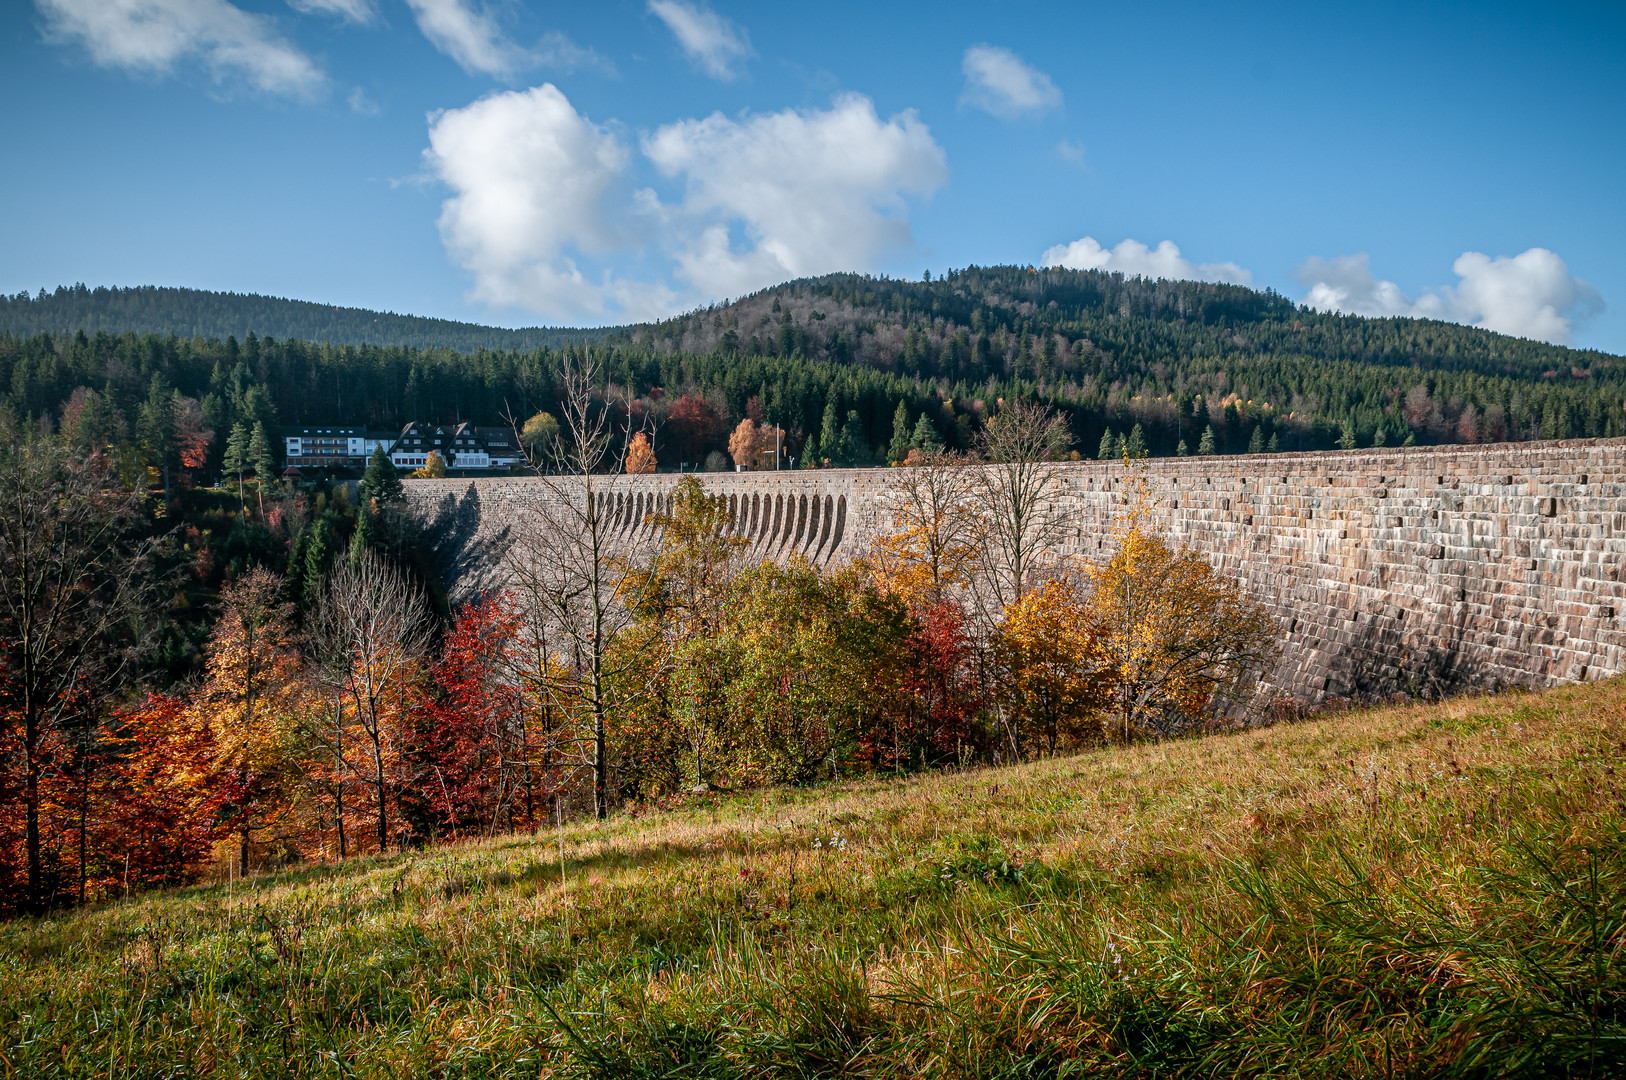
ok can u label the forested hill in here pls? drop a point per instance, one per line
(189, 313)
(840, 362)
(1058, 325)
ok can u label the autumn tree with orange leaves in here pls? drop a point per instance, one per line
(640, 455)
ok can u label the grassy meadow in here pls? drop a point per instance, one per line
(1415, 890)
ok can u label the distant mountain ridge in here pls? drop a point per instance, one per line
(188, 313)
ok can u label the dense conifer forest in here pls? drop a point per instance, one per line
(839, 362)
(149, 309)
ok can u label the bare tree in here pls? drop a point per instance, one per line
(578, 571)
(1020, 495)
(75, 585)
(373, 627)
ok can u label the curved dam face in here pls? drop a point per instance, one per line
(1419, 570)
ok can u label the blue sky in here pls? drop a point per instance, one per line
(516, 162)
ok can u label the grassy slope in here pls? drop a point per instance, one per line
(1416, 890)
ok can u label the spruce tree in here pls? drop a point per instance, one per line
(260, 463)
(236, 459)
(1379, 437)
(855, 449)
(829, 435)
(1107, 443)
(1275, 443)
(1256, 442)
(1346, 441)
(1135, 445)
(365, 538)
(318, 554)
(1206, 446)
(899, 448)
(381, 483)
(1182, 450)
(925, 437)
(259, 456)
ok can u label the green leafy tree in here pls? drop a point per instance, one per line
(1256, 442)
(1206, 446)
(1346, 441)
(1275, 443)
(1182, 450)
(1104, 453)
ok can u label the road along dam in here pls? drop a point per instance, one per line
(1417, 570)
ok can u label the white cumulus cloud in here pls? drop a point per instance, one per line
(1530, 295)
(711, 41)
(542, 207)
(154, 36)
(1134, 259)
(354, 11)
(531, 178)
(999, 82)
(469, 36)
(813, 191)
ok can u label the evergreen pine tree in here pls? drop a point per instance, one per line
(1275, 443)
(855, 449)
(381, 483)
(365, 538)
(1379, 437)
(260, 463)
(1135, 445)
(1206, 446)
(1107, 442)
(236, 460)
(899, 448)
(1346, 441)
(1256, 441)
(829, 435)
(318, 554)
(810, 452)
(1182, 450)
(925, 436)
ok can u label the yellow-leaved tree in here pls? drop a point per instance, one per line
(434, 467)
(936, 539)
(251, 698)
(1052, 679)
(1179, 640)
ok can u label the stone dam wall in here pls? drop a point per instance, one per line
(1417, 570)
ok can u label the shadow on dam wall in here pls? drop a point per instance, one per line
(1416, 570)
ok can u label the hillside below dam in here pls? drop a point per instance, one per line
(1417, 570)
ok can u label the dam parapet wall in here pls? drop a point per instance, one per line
(1415, 570)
